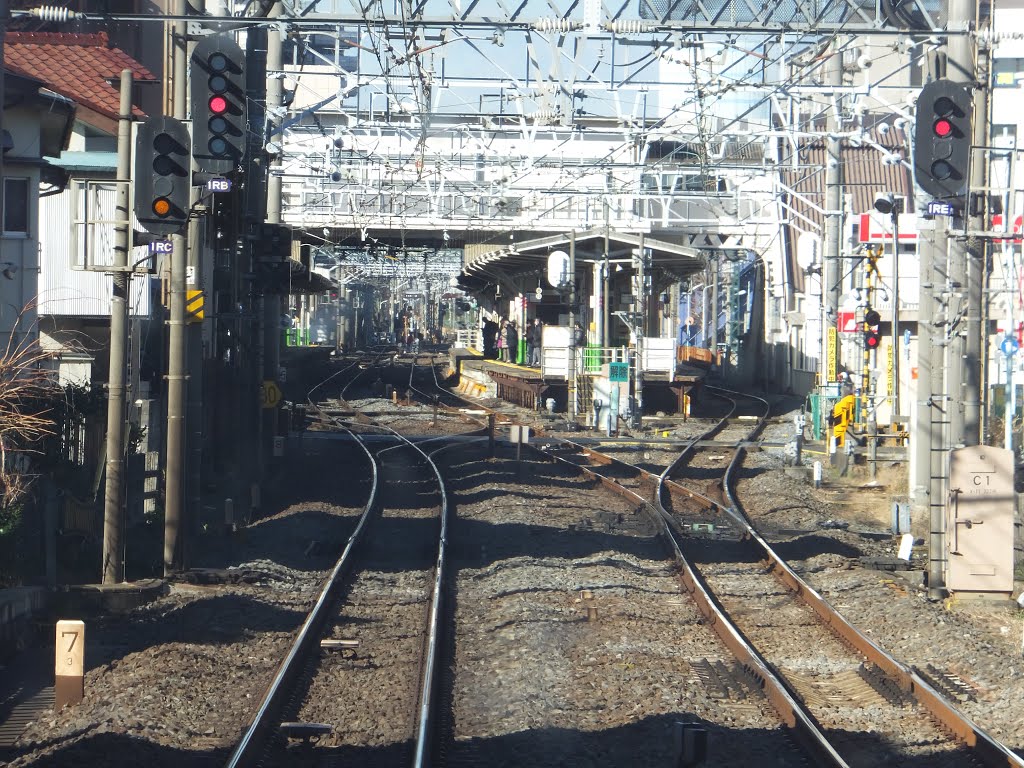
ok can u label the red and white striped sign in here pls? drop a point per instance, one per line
(876, 228)
(847, 321)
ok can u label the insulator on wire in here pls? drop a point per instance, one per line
(629, 26)
(53, 13)
(994, 38)
(556, 25)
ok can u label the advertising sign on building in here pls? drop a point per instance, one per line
(877, 228)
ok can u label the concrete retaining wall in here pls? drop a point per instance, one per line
(474, 383)
(19, 609)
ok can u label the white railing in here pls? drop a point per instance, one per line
(469, 338)
(589, 361)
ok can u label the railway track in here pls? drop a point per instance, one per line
(844, 700)
(377, 619)
(849, 702)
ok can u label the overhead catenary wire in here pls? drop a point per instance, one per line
(415, 76)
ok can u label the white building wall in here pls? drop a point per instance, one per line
(19, 252)
(72, 284)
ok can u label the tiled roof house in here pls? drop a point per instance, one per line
(82, 67)
(74, 302)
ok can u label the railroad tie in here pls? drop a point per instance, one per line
(347, 647)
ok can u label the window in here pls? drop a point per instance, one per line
(305, 51)
(15, 213)
(321, 50)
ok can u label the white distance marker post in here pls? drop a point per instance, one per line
(69, 666)
(519, 435)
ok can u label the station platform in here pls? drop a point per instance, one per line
(526, 386)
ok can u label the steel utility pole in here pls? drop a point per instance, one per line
(113, 495)
(174, 493)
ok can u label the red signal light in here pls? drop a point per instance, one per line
(943, 128)
(218, 105)
(872, 337)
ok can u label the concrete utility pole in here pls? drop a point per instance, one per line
(195, 362)
(605, 339)
(713, 314)
(641, 328)
(255, 211)
(928, 444)
(978, 250)
(949, 335)
(832, 265)
(113, 495)
(174, 493)
(895, 351)
(571, 405)
(4, 13)
(967, 254)
(272, 306)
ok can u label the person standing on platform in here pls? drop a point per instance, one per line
(533, 340)
(490, 333)
(502, 351)
(579, 343)
(512, 342)
(579, 336)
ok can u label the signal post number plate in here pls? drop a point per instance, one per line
(270, 394)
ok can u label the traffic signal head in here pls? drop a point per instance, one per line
(272, 247)
(872, 336)
(218, 104)
(163, 175)
(942, 139)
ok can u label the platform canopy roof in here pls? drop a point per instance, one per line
(530, 256)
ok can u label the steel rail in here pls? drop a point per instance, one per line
(791, 710)
(788, 706)
(785, 704)
(253, 741)
(433, 399)
(428, 686)
(988, 750)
